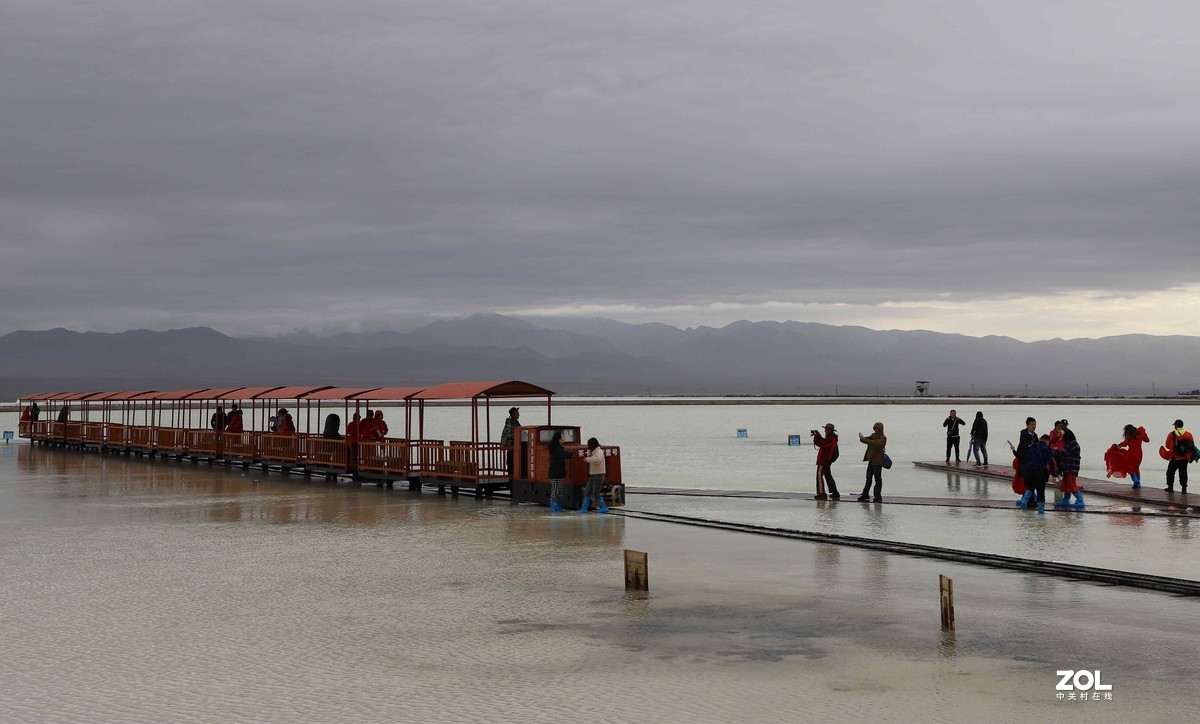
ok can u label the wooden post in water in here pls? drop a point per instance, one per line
(947, 591)
(637, 571)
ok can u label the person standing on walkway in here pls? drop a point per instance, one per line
(1180, 446)
(1025, 439)
(827, 452)
(1068, 468)
(506, 435)
(876, 443)
(596, 472)
(952, 424)
(979, 436)
(1120, 462)
(559, 456)
(1039, 466)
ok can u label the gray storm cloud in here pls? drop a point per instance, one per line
(259, 166)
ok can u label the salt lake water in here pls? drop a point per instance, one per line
(157, 591)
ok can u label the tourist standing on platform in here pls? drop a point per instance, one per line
(217, 421)
(35, 412)
(559, 456)
(827, 452)
(1180, 447)
(25, 414)
(1128, 461)
(1025, 439)
(979, 436)
(1068, 468)
(596, 473)
(876, 442)
(1056, 443)
(506, 436)
(1039, 466)
(380, 428)
(952, 424)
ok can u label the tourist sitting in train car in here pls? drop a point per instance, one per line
(233, 421)
(366, 428)
(284, 423)
(333, 423)
(64, 414)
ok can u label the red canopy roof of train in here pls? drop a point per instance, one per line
(79, 396)
(250, 393)
(41, 396)
(383, 394)
(471, 390)
(126, 395)
(287, 393)
(177, 394)
(338, 393)
(218, 394)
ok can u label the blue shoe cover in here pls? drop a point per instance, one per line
(1024, 499)
(1078, 500)
(555, 506)
(586, 504)
(1041, 507)
(602, 506)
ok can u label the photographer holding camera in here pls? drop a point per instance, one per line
(827, 452)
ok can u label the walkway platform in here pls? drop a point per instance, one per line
(1149, 494)
(990, 503)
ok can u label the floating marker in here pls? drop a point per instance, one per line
(793, 440)
(742, 432)
(8, 435)
(946, 587)
(637, 571)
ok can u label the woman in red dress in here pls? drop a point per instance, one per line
(1125, 457)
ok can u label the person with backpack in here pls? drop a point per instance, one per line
(1181, 449)
(827, 453)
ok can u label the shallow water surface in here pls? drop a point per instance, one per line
(157, 591)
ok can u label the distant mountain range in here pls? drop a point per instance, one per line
(605, 357)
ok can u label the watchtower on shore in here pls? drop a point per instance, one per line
(922, 389)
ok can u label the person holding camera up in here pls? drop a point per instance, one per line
(876, 444)
(827, 452)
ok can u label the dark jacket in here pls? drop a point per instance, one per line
(952, 424)
(979, 429)
(1039, 458)
(559, 456)
(1026, 439)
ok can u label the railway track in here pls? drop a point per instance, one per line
(1164, 584)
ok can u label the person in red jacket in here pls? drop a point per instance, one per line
(826, 451)
(380, 428)
(233, 421)
(1125, 457)
(1180, 446)
(366, 428)
(286, 425)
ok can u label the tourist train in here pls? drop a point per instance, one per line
(180, 425)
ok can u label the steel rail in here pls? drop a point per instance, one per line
(1180, 586)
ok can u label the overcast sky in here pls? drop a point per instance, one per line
(1027, 168)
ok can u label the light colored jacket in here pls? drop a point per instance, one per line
(595, 461)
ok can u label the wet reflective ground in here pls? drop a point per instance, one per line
(156, 591)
